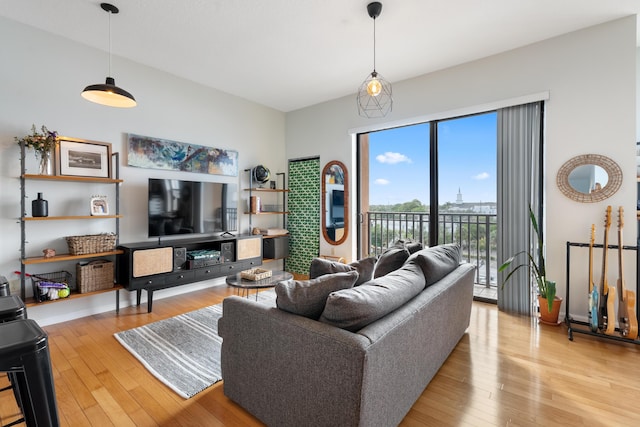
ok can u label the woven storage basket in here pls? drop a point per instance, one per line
(94, 276)
(92, 243)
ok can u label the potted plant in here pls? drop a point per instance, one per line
(548, 302)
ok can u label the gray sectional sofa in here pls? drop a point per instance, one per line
(289, 367)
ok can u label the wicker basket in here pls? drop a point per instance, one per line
(92, 243)
(94, 276)
(54, 277)
(255, 274)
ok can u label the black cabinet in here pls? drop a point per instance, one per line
(152, 266)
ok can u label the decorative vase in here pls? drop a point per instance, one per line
(45, 162)
(39, 207)
(549, 317)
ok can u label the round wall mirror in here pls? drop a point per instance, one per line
(335, 202)
(589, 178)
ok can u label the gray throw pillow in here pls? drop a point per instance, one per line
(320, 267)
(411, 245)
(390, 260)
(438, 261)
(353, 309)
(308, 297)
(364, 267)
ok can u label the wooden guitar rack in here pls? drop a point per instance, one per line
(584, 326)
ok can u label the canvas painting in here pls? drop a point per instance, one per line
(155, 153)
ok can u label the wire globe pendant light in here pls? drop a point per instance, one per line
(374, 95)
(108, 93)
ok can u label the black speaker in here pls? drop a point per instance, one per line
(227, 252)
(276, 248)
(179, 258)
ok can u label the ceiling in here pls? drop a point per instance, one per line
(289, 54)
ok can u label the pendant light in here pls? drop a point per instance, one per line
(374, 95)
(108, 93)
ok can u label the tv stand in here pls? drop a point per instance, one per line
(153, 266)
(227, 234)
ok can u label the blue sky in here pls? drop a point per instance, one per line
(399, 162)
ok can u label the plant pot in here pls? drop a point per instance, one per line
(549, 317)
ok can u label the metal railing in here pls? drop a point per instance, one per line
(475, 233)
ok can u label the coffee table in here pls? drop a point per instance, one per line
(244, 286)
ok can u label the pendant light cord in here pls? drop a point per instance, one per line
(374, 44)
(109, 12)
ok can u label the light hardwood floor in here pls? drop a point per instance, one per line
(506, 370)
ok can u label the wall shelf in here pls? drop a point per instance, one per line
(72, 178)
(67, 257)
(73, 217)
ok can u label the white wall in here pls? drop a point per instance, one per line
(590, 76)
(41, 77)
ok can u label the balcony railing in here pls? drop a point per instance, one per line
(475, 233)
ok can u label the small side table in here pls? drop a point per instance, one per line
(244, 286)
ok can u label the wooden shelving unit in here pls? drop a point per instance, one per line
(24, 220)
(282, 191)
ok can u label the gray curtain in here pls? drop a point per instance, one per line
(519, 186)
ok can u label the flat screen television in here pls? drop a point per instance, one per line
(337, 206)
(179, 207)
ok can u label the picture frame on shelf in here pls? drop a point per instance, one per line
(78, 157)
(99, 206)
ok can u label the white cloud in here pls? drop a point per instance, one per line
(481, 176)
(381, 181)
(392, 158)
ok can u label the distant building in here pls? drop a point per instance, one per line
(485, 208)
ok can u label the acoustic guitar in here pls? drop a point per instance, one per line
(593, 290)
(627, 306)
(607, 319)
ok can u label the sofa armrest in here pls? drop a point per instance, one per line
(290, 370)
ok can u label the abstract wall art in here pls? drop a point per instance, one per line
(155, 153)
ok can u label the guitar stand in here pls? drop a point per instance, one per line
(584, 327)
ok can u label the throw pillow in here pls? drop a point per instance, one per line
(437, 262)
(320, 267)
(411, 245)
(353, 309)
(364, 267)
(308, 297)
(390, 260)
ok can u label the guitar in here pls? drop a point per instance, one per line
(607, 320)
(626, 308)
(593, 290)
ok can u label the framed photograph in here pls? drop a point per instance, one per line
(77, 157)
(99, 205)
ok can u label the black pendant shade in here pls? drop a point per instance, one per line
(108, 93)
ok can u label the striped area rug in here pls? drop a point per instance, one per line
(183, 351)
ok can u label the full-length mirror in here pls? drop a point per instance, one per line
(589, 178)
(335, 202)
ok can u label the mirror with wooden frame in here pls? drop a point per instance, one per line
(589, 178)
(335, 202)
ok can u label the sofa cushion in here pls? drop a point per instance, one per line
(320, 267)
(352, 309)
(438, 261)
(307, 297)
(411, 245)
(364, 267)
(390, 260)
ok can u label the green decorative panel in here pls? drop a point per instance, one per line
(304, 214)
